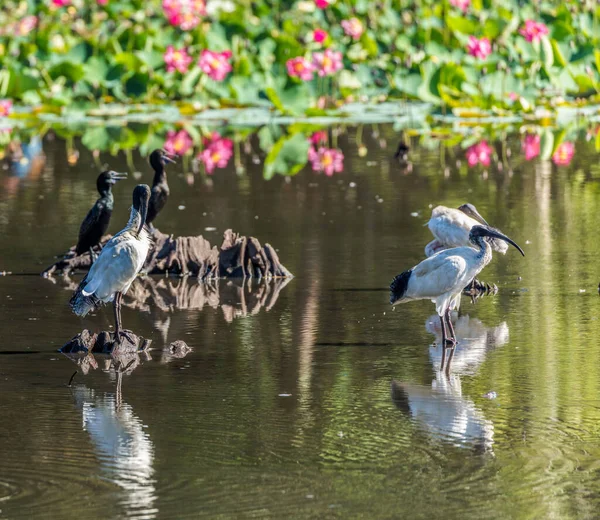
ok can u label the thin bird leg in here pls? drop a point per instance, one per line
(452, 339)
(450, 360)
(443, 330)
(117, 309)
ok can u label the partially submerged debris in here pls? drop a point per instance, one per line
(477, 289)
(238, 257)
(104, 343)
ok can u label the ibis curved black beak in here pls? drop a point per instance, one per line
(471, 211)
(117, 176)
(494, 233)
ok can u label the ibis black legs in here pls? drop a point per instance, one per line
(117, 309)
(448, 343)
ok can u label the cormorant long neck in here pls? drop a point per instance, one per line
(160, 174)
(106, 193)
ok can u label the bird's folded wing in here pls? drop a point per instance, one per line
(440, 273)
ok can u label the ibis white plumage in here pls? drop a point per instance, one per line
(120, 261)
(442, 277)
(451, 228)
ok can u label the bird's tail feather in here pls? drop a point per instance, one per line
(82, 303)
(398, 286)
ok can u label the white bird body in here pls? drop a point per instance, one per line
(442, 277)
(451, 228)
(121, 259)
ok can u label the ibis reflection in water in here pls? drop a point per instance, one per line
(442, 277)
(96, 222)
(441, 407)
(160, 187)
(120, 261)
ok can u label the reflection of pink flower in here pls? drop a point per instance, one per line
(319, 35)
(353, 28)
(217, 152)
(479, 48)
(531, 146)
(463, 5)
(323, 4)
(326, 160)
(185, 14)
(327, 62)
(5, 107)
(300, 67)
(26, 25)
(318, 137)
(479, 153)
(177, 59)
(102, 2)
(60, 3)
(563, 154)
(533, 31)
(178, 143)
(215, 64)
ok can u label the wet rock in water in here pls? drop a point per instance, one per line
(178, 349)
(104, 343)
(238, 257)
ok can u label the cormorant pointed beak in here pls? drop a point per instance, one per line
(471, 211)
(168, 157)
(494, 233)
(117, 176)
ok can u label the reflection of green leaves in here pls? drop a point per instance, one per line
(546, 144)
(287, 156)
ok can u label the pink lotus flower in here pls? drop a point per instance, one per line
(533, 31)
(217, 152)
(323, 4)
(479, 48)
(326, 160)
(215, 64)
(563, 154)
(102, 2)
(26, 25)
(479, 153)
(185, 14)
(5, 107)
(177, 59)
(531, 146)
(178, 143)
(463, 5)
(60, 3)
(327, 62)
(353, 28)
(300, 67)
(319, 35)
(318, 137)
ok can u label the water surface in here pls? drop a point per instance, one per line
(319, 401)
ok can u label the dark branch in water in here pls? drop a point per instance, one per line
(238, 257)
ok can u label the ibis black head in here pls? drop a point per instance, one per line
(141, 196)
(471, 211)
(478, 233)
(159, 158)
(107, 179)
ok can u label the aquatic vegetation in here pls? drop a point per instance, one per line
(199, 54)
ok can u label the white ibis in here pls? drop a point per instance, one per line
(442, 277)
(451, 228)
(120, 261)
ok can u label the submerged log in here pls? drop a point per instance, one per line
(104, 343)
(238, 257)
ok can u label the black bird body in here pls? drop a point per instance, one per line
(160, 188)
(96, 222)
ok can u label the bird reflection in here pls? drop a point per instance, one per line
(441, 407)
(123, 447)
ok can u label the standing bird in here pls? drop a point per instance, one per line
(96, 222)
(451, 228)
(119, 262)
(160, 188)
(442, 277)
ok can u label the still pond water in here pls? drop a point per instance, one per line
(311, 399)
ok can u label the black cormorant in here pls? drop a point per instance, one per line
(160, 188)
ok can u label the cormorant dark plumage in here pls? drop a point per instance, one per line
(160, 188)
(96, 221)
